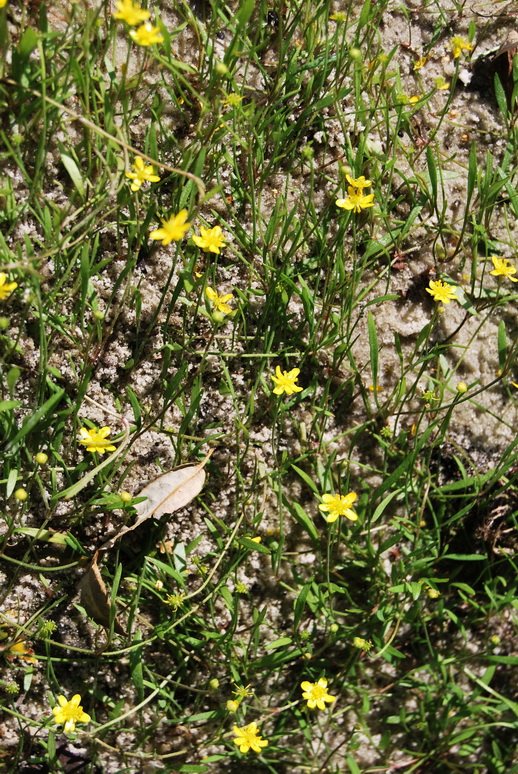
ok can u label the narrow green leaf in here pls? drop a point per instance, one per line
(43, 534)
(304, 476)
(364, 15)
(227, 596)
(501, 97)
(35, 418)
(136, 667)
(12, 480)
(247, 542)
(74, 173)
(7, 405)
(300, 515)
(383, 504)
(432, 171)
(472, 172)
(353, 766)
(389, 482)
(280, 643)
(168, 570)
(204, 716)
(300, 604)
(502, 345)
(374, 349)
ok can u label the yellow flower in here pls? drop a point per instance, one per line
(502, 268)
(146, 35)
(232, 100)
(441, 83)
(141, 174)
(358, 182)
(6, 289)
(70, 713)
(232, 706)
(243, 691)
(285, 381)
(355, 200)
(248, 738)
(339, 505)
(420, 63)
(441, 291)
(3, 3)
(316, 693)
(130, 12)
(210, 240)
(220, 302)
(173, 229)
(175, 600)
(362, 644)
(458, 45)
(96, 440)
(338, 16)
(21, 650)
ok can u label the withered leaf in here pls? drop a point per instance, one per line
(95, 597)
(166, 494)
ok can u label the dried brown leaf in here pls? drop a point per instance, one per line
(166, 494)
(95, 597)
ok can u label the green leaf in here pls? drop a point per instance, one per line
(472, 172)
(227, 596)
(35, 418)
(300, 603)
(383, 504)
(502, 345)
(7, 405)
(407, 462)
(25, 47)
(280, 643)
(300, 515)
(353, 766)
(43, 534)
(12, 479)
(168, 570)
(247, 542)
(201, 717)
(309, 481)
(373, 348)
(73, 171)
(432, 172)
(136, 666)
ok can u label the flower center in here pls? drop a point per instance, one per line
(317, 692)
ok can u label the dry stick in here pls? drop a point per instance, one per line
(196, 180)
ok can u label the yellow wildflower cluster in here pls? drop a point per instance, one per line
(131, 13)
(248, 738)
(356, 200)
